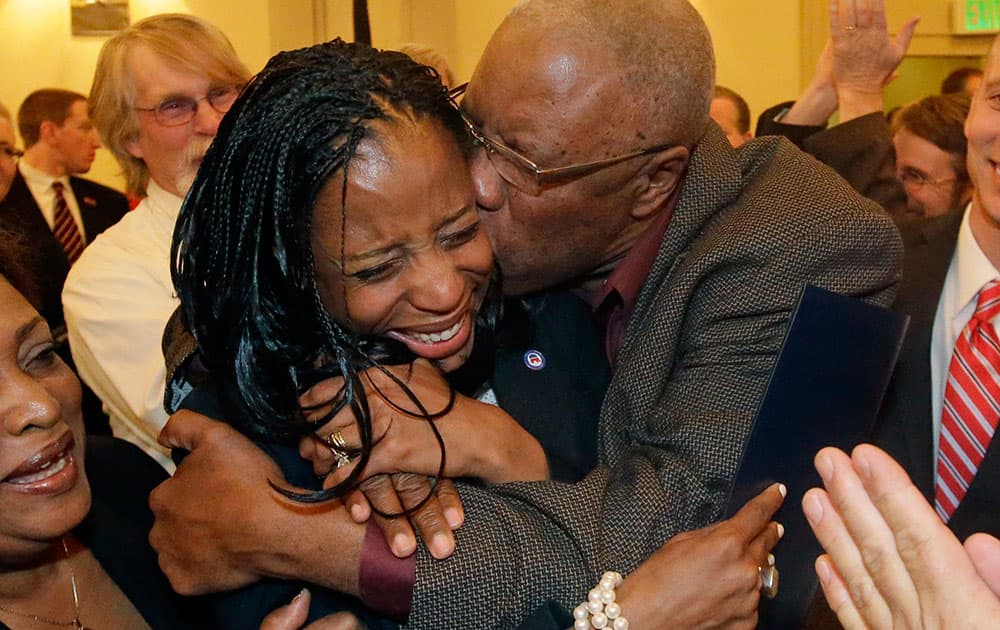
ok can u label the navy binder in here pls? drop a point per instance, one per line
(826, 389)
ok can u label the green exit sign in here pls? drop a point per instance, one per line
(976, 17)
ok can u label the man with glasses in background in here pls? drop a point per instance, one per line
(599, 171)
(160, 90)
(930, 146)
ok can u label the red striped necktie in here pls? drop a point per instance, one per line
(971, 403)
(64, 227)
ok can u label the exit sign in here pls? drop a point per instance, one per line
(975, 17)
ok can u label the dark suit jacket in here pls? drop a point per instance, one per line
(905, 428)
(100, 207)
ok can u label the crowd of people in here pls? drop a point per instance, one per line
(379, 350)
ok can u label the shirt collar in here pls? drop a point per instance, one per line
(162, 207)
(974, 268)
(629, 275)
(37, 177)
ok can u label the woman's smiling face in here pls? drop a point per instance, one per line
(413, 263)
(43, 490)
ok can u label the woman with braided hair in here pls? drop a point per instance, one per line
(330, 263)
(332, 228)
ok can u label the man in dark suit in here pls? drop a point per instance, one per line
(937, 278)
(60, 143)
(948, 259)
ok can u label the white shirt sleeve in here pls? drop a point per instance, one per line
(116, 302)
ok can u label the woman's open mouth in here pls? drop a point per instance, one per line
(51, 470)
(436, 344)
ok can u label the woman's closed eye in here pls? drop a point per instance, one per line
(379, 272)
(41, 357)
(461, 237)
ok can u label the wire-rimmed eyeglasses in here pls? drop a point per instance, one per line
(175, 111)
(523, 173)
(910, 177)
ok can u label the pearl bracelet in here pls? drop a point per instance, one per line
(601, 610)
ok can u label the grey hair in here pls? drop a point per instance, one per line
(663, 47)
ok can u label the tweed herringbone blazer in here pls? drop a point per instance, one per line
(860, 150)
(751, 228)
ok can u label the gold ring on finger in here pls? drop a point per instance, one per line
(336, 440)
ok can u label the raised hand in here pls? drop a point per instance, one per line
(865, 59)
(891, 562)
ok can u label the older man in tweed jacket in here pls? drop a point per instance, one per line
(718, 244)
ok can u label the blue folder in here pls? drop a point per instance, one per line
(835, 364)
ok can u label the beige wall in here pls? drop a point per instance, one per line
(750, 59)
(458, 29)
(765, 51)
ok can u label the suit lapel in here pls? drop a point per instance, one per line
(20, 197)
(22, 213)
(100, 206)
(906, 428)
(979, 511)
(558, 396)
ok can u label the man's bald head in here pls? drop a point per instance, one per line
(661, 51)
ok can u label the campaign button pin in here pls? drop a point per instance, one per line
(534, 360)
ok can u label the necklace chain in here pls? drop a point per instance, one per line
(75, 623)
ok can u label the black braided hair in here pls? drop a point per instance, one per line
(242, 262)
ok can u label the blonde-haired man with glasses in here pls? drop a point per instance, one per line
(160, 89)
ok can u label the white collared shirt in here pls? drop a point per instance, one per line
(117, 300)
(40, 185)
(970, 269)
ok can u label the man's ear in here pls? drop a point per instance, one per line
(659, 181)
(133, 148)
(46, 131)
(967, 192)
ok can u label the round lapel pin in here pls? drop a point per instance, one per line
(534, 360)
